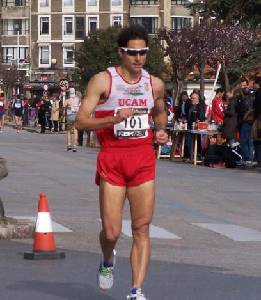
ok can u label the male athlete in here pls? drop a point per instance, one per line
(124, 100)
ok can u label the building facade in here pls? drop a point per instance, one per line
(15, 33)
(57, 27)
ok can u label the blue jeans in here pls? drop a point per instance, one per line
(246, 142)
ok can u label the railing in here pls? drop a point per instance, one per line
(144, 2)
(12, 32)
(182, 2)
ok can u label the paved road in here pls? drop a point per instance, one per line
(206, 229)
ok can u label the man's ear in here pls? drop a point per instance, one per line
(120, 53)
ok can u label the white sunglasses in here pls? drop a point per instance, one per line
(135, 51)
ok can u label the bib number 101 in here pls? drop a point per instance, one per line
(133, 122)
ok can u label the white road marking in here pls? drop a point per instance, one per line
(234, 232)
(56, 226)
(155, 232)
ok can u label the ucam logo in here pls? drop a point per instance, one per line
(132, 102)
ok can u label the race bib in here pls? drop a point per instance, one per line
(1, 104)
(134, 127)
(18, 105)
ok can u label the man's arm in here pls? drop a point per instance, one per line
(97, 87)
(159, 113)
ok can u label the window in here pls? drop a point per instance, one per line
(44, 3)
(68, 55)
(116, 21)
(67, 3)
(150, 23)
(13, 26)
(79, 28)
(44, 55)
(20, 2)
(68, 25)
(11, 55)
(44, 25)
(116, 2)
(144, 2)
(93, 24)
(92, 2)
(181, 22)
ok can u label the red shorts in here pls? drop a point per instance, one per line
(126, 167)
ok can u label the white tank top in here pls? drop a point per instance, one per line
(139, 95)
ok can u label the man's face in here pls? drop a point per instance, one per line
(134, 62)
(244, 85)
(256, 85)
(221, 94)
(194, 99)
(184, 97)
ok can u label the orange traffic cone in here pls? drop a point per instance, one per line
(44, 244)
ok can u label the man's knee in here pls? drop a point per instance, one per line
(141, 228)
(111, 233)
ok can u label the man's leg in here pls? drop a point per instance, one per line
(142, 200)
(244, 142)
(111, 208)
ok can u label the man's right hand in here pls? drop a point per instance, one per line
(123, 114)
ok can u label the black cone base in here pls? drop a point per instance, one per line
(44, 255)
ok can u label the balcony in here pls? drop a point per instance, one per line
(15, 9)
(15, 3)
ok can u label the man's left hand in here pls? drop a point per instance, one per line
(161, 137)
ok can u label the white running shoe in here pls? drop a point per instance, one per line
(137, 296)
(105, 275)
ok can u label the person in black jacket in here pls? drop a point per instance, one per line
(245, 99)
(195, 112)
(230, 119)
(257, 123)
(182, 106)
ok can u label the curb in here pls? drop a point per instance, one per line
(11, 228)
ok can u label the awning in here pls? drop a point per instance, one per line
(39, 86)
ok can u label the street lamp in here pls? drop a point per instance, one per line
(17, 29)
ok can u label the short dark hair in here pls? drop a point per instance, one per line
(243, 79)
(132, 32)
(219, 90)
(258, 80)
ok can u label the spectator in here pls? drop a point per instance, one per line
(72, 106)
(195, 113)
(182, 106)
(217, 114)
(26, 112)
(169, 106)
(41, 115)
(18, 112)
(195, 110)
(48, 111)
(2, 111)
(55, 113)
(230, 119)
(257, 122)
(33, 109)
(244, 105)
